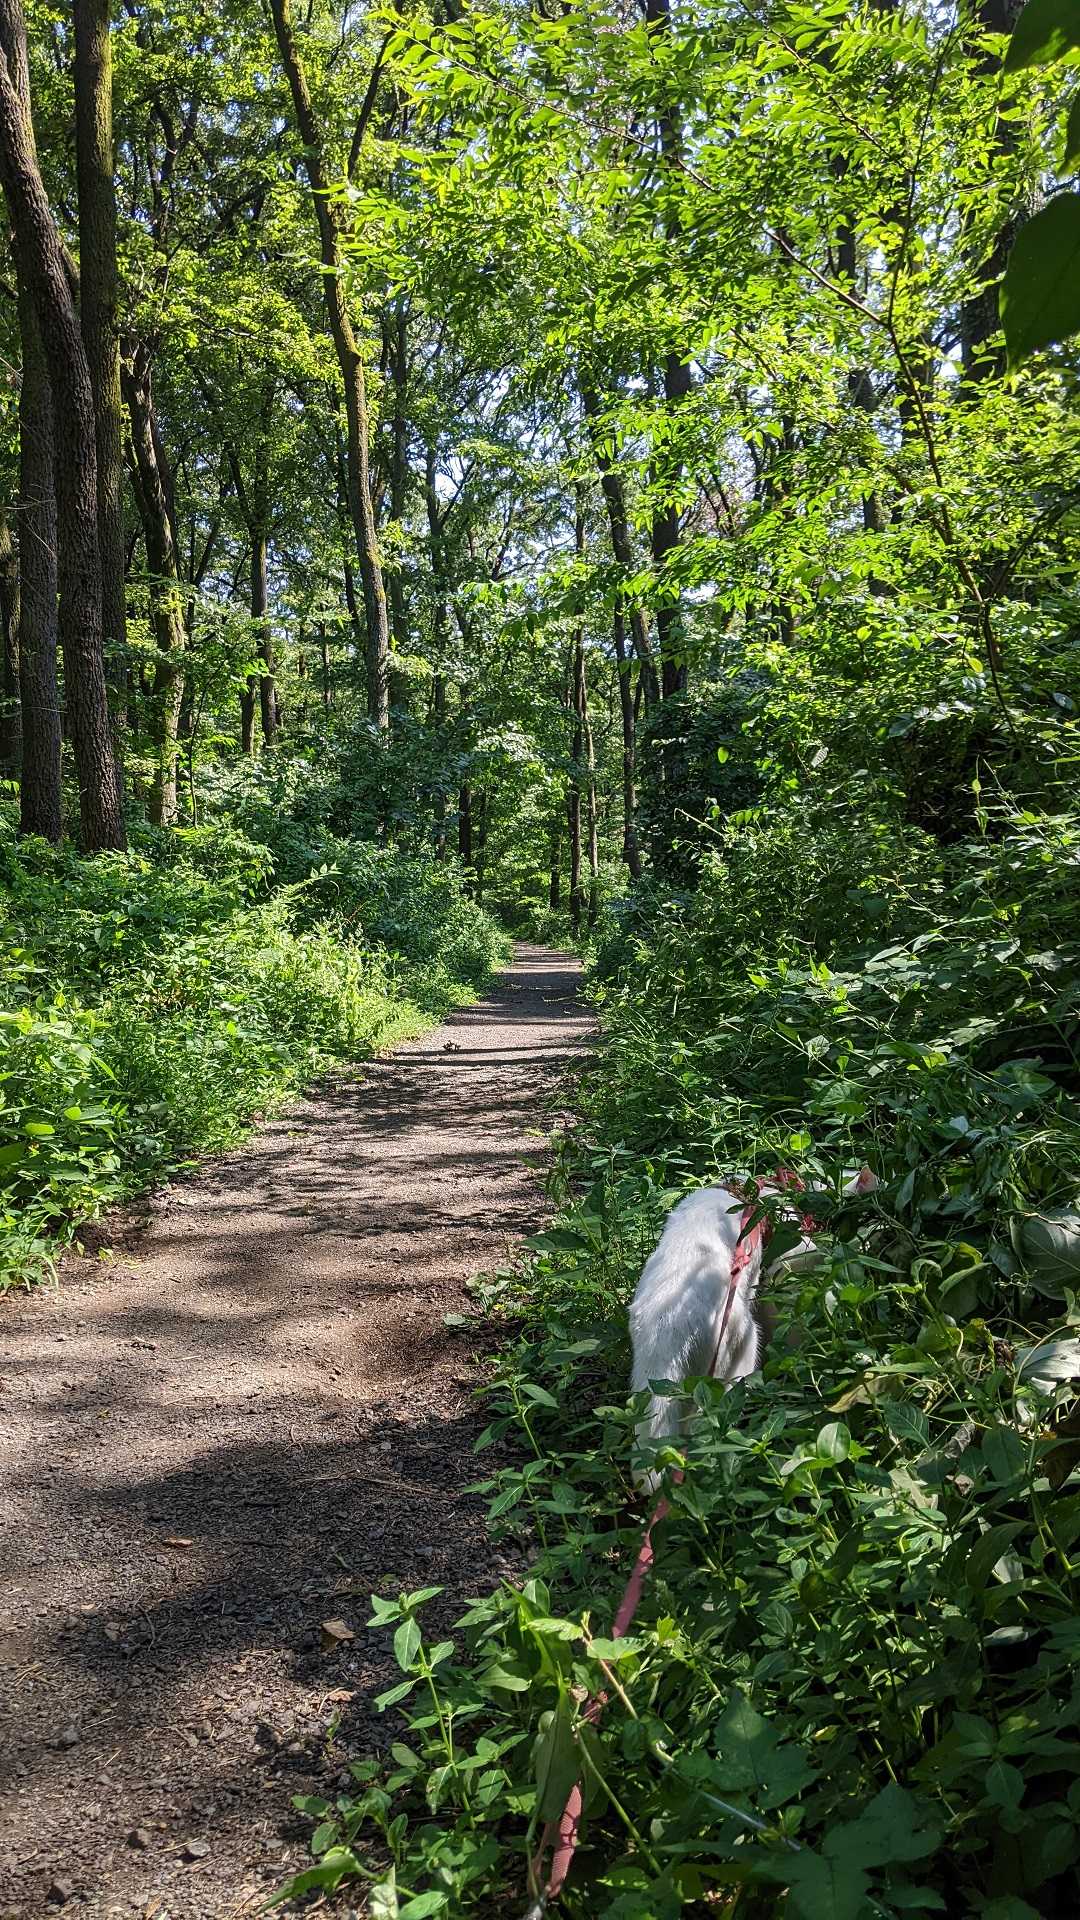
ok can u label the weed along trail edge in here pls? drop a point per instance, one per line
(215, 1446)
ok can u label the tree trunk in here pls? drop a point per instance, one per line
(621, 543)
(592, 841)
(631, 854)
(10, 714)
(480, 849)
(248, 700)
(677, 385)
(151, 478)
(979, 315)
(254, 502)
(40, 265)
(40, 808)
(555, 881)
(397, 340)
(465, 824)
(98, 309)
(324, 659)
(352, 373)
(439, 714)
(573, 791)
(260, 614)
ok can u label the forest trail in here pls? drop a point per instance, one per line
(230, 1435)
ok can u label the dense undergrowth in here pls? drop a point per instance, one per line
(157, 1001)
(850, 1688)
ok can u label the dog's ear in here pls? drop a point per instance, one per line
(866, 1181)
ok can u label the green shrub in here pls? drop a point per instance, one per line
(158, 1001)
(849, 1688)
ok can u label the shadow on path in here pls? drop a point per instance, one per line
(234, 1432)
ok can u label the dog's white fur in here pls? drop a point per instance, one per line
(678, 1308)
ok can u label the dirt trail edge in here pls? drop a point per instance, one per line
(230, 1435)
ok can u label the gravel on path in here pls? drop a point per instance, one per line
(230, 1432)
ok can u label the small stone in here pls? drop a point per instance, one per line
(196, 1849)
(140, 1837)
(68, 1737)
(61, 1892)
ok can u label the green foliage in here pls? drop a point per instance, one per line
(1045, 31)
(849, 1688)
(1040, 295)
(157, 1002)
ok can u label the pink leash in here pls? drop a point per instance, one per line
(563, 1835)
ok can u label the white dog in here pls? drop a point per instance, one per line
(687, 1317)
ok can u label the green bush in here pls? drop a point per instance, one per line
(849, 1688)
(158, 1001)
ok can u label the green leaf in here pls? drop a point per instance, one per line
(988, 1550)
(896, 1826)
(420, 1597)
(1071, 158)
(820, 1889)
(38, 1129)
(422, 1905)
(329, 1873)
(1045, 32)
(555, 1760)
(602, 1649)
(1040, 294)
(538, 1395)
(383, 1900)
(750, 1757)
(833, 1442)
(393, 1694)
(1048, 1363)
(407, 1644)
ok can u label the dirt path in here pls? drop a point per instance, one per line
(231, 1435)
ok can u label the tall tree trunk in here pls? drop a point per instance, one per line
(555, 880)
(397, 341)
(248, 703)
(10, 713)
(621, 544)
(573, 790)
(253, 499)
(592, 839)
(677, 385)
(631, 854)
(480, 846)
(465, 824)
(439, 715)
(99, 314)
(352, 372)
(348, 570)
(39, 794)
(260, 614)
(324, 660)
(440, 587)
(151, 478)
(41, 268)
(979, 315)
